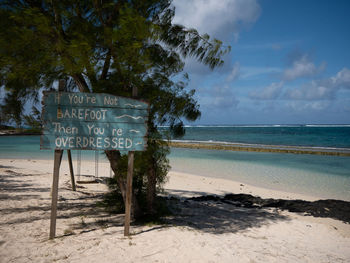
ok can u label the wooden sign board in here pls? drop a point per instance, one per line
(93, 121)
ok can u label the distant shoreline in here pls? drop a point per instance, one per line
(259, 148)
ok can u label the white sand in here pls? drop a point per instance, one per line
(205, 231)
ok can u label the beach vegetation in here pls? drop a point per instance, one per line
(121, 47)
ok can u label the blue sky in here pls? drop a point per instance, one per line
(289, 64)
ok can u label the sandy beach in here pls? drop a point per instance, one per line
(204, 231)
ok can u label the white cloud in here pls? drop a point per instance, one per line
(235, 72)
(219, 97)
(321, 89)
(314, 91)
(342, 79)
(300, 106)
(270, 92)
(249, 72)
(222, 19)
(315, 96)
(302, 67)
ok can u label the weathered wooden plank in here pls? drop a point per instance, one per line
(54, 192)
(64, 113)
(92, 100)
(93, 122)
(71, 170)
(91, 128)
(130, 173)
(93, 143)
(128, 199)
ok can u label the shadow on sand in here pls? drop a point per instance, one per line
(207, 216)
(210, 214)
(14, 190)
(218, 217)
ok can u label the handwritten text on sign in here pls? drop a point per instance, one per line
(93, 121)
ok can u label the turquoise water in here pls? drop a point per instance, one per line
(321, 176)
(320, 136)
(28, 147)
(315, 175)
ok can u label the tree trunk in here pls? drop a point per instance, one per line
(114, 157)
(151, 188)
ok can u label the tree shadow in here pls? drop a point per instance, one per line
(98, 221)
(216, 217)
(237, 212)
(18, 197)
(9, 183)
(6, 166)
(208, 216)
(74, 208)
(12, 188)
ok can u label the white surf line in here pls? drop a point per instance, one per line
(134, 131)
(263, 145)
(125, 115)
(131, 105)
(266, 146)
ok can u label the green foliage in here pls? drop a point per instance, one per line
(34, 120)
(108, 46)
(104, 46)
(155, 154)
(12, 109)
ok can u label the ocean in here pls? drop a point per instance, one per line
(289, 135)
(317, 175)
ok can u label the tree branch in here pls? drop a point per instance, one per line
(81, 83)
(106, 65)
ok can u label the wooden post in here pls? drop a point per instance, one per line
(61, 84)
(71, 170)
(62, 87)
(54, 192)
(128, 199)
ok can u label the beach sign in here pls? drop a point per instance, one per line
(93, 121)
